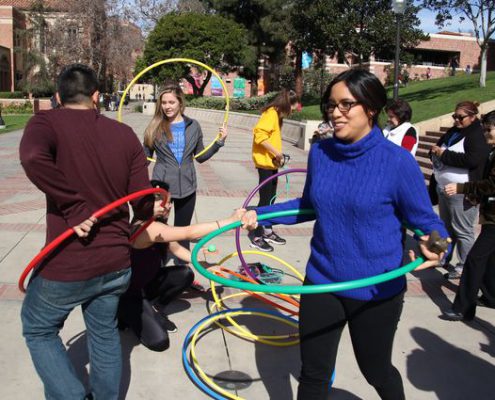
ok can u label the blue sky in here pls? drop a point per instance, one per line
(427, 19)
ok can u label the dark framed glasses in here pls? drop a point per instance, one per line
(459, 117)
(344, 106)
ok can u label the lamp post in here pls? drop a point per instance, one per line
(398, 7)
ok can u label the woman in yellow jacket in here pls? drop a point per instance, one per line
(268, 157)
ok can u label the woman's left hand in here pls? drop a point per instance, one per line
(432, 259)
(438, 151)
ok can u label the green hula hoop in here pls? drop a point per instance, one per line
(322, 288)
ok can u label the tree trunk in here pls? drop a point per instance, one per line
(483, 66)
(299, 74)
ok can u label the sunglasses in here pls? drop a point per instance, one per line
(459, 117)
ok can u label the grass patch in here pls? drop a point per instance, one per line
(428, 99)
(14, 122)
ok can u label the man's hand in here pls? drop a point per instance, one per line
(249, 220)
(84, 228)
(278, 160)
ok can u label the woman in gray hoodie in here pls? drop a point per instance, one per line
(177, 141)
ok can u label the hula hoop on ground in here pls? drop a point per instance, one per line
(272, 340)
(284, 289)
(246, 203)
(188, 61)
(210, 387)
(69, 232)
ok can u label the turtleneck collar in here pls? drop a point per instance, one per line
(351, 150)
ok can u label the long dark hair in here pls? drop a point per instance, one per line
(283, 103)
(364, 86)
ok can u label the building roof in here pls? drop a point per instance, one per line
(54, 5)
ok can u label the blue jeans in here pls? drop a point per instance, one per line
(44, 311)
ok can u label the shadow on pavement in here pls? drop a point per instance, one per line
(448, 371)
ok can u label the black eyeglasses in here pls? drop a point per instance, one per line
(459, 117)
(344, 106)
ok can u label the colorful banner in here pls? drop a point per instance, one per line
(239, 87)
(216, 87)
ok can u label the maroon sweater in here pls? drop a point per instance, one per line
(83, 161)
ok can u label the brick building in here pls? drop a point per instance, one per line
(433, 56)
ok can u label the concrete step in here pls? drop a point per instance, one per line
(436, 134)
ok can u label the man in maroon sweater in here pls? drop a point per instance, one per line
(82, 161)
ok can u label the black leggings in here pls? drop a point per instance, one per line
(184, 210)
(138, 313)
(266, 193)
(372, 326)
(478, 273)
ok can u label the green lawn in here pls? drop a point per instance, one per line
(14, 122)
(431, 98)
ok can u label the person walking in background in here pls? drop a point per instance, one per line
(479, 269)
(176, 140)
(82, 161)
(459, 157)
(399, 129)
(268, 158)
(361, 188)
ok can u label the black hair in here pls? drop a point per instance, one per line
(160, 184)
(364, 86)
(488, 120)
(76, 84)
(401, 109)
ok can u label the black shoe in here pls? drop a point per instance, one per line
(166, 324)
(260, 244)
(480, 302)
(451, 315)
(273, 238)
(452, 275)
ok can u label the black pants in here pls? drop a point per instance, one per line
(372, 326)
(266, 193)
(184, 210)
(478, 273)
(138, 313)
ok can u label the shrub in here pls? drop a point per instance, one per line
(236, 104)
(18, 108)
(138, 108)
(12, 95)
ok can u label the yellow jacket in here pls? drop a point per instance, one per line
(267, 128)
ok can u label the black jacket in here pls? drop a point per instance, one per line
(476, 150)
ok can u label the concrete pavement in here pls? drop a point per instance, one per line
(437, 359)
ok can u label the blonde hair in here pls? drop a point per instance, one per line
(160, 123)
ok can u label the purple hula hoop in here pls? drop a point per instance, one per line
(246, 202)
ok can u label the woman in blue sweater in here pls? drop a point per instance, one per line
(361, 187)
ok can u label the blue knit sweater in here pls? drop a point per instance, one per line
(361, 194)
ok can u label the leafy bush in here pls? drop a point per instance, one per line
(17, 108)
(11, 95)
(236, 104)
(138, 108)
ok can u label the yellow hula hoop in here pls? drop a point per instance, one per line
(184, 60)
(194, 359)
(243, 332)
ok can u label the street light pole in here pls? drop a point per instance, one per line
(398, 6)
(397, 59)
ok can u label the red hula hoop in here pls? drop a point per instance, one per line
(97, 214)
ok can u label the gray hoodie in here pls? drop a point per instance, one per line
(181, 178)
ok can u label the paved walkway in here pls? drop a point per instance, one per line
(437, 359)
